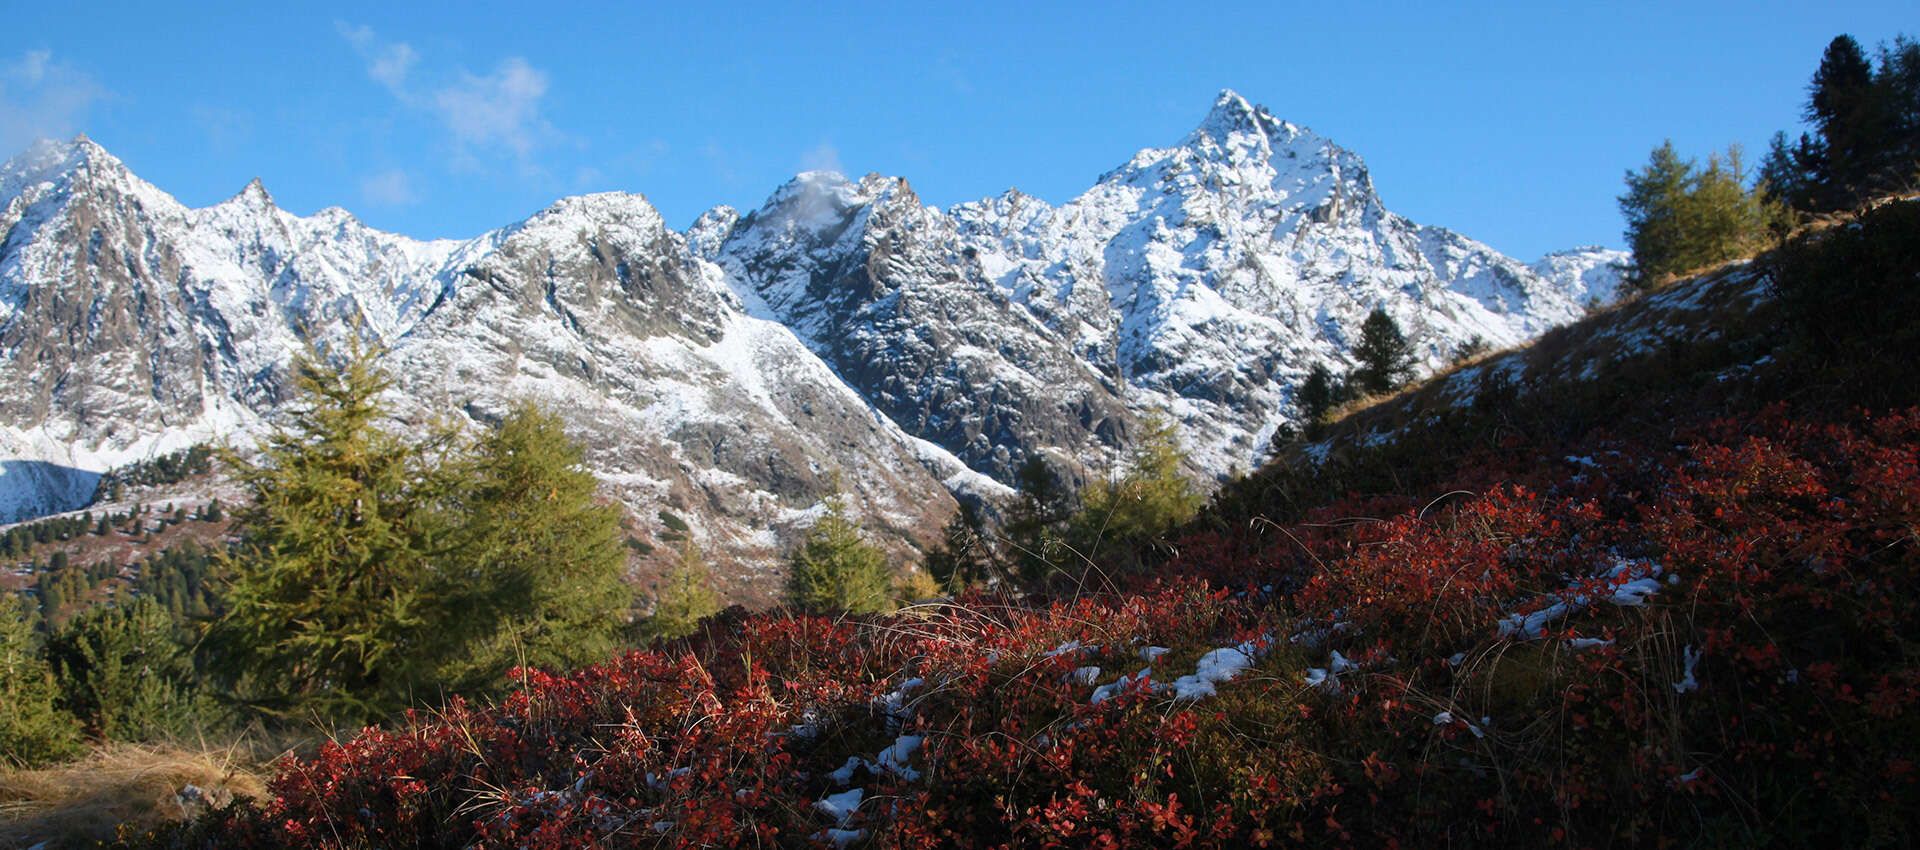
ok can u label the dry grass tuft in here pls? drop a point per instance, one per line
(85, 801)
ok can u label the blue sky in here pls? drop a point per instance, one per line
(1510, 122)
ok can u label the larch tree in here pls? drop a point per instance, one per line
(1152, 497)
(327, 590)
(539, 564)
(834, 569)
(33, 728)
(686, 597)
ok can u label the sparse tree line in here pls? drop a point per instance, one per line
(1383, 362)
(21, 540)
(169, 468)
(1862, 142)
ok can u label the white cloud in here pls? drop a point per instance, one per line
(500, 109)
(388, 63)
(822, 157)
(495, 112)
(721, 161)
(391, 188)
(42, 97)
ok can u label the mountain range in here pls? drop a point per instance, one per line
(844, 335)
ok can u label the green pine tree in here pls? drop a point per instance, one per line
(124, 675)
(1037, 520)
(1316, 397)
(1385, 358)
(1723, 220)
(1841, 106)
(326, 592)
(1682, 217)
(33, 729)
(686, 597)
(538, 574)
(1654, 209)
(834, 569)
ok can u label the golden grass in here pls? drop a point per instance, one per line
(87, 800)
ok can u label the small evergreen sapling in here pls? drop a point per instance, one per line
(686, 597)
(835, 570)
(33, 729)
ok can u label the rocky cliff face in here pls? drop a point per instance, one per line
(731, 373)
(1203, 279)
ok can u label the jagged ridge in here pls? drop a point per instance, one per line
(842, 331)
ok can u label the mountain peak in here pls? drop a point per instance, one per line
(1230, 113)
(50, 159)
(253, 195)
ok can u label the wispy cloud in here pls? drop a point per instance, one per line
(721, 161)
(42, 97)
(947, 69)
(501, 109)
(388, 63)
(390, 188)
(822, 157)
(225, 128)
(483, 114)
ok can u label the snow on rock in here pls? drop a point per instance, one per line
(841, 806)
(1592, 275)
(1688, 684)
(1111, 689)
(1216, 666)
(843, 775)
(1628, 583)
(898, 758)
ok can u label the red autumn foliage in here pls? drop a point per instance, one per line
(1725, 622)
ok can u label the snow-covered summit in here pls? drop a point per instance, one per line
(1591, 274)
(842, 330)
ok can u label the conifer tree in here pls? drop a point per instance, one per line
(1152, 498)
(1037, 519)
(1385, 357)
(834, 569)
(33, 729)
(915, 585)
(1898, 85)
(1316, 397)
(963, 557)
(123, 674)
(1682, 217)
(1723, 219)
(326, 599)
(686, 597)
(1841, 107)
(537, 572)
(1656, 220)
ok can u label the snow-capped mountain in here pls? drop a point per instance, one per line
(1592, 274)
(1203, 279)
(731, 373)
